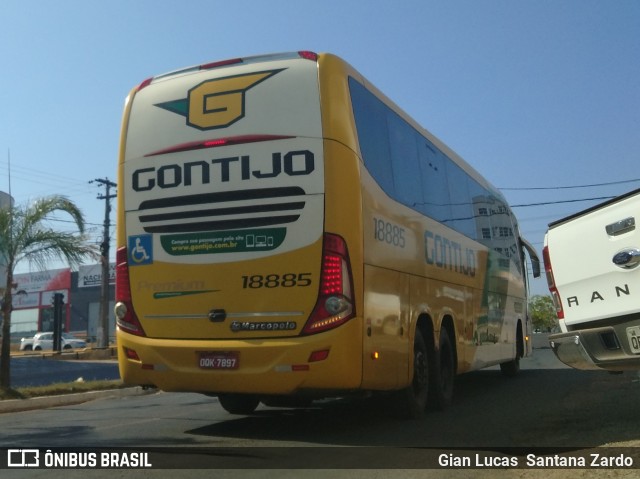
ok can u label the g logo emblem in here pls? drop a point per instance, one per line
(217, 103)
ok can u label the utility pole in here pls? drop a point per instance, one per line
(103, 328)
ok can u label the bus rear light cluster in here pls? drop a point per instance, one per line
(552, 283)
(335, 303)
(126, 318)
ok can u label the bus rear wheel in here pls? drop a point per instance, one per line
(287, 401)
(443, 374)
(512, 368)
(238, 403)
(411, 402)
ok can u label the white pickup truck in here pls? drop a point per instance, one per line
(592, 261)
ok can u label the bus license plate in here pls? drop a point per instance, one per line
(633, 333)
(219, 360)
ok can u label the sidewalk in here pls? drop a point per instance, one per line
(18, 405)
(44, 402)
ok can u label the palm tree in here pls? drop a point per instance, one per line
(25, 235)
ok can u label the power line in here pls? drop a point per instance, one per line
(570, 187)
(544, 203)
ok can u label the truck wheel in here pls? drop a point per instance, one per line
(443, 374)
(411, 402)
(239, 403)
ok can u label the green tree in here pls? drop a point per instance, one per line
(543, 312)
(25, 234)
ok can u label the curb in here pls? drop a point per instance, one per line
(18, 405)
(87, 354)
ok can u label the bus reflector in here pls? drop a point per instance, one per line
(316, 356)
(131, 354)
(126, 318)
(299, 367)
(334, 305)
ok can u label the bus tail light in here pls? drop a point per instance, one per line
(125, 315)
(307, 55)
(144, 84)
(223, 63)
(552, 283)
(335, 303)
(216, 142)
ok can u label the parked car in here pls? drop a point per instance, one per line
(44, 341)
(26, 344)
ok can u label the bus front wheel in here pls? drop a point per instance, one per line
(239, 403)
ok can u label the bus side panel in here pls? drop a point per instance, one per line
(387, 332)
(438, 300)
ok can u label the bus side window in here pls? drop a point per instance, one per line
(371, 122)
(462, 218)
(404, 158)
(435, 190)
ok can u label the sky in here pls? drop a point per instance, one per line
(542, 97)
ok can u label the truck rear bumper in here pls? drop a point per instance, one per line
(605, 348)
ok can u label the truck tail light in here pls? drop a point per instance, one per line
(552, 283)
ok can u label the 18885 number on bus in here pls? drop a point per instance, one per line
(388, 233)
(287, 280)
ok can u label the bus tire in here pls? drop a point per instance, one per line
(443, 374)
(512, 368)
(238, 403)
(411, 401)
(287, 401)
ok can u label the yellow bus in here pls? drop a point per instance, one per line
(287, 233)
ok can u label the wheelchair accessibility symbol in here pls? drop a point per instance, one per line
(140, 250)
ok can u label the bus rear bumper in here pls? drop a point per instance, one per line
(327, 361)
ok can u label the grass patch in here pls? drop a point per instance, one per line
(59, 388)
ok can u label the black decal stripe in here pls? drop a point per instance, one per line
(221, 225)
(223, 211)
(221, 197)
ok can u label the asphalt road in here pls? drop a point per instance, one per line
(548, 407)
